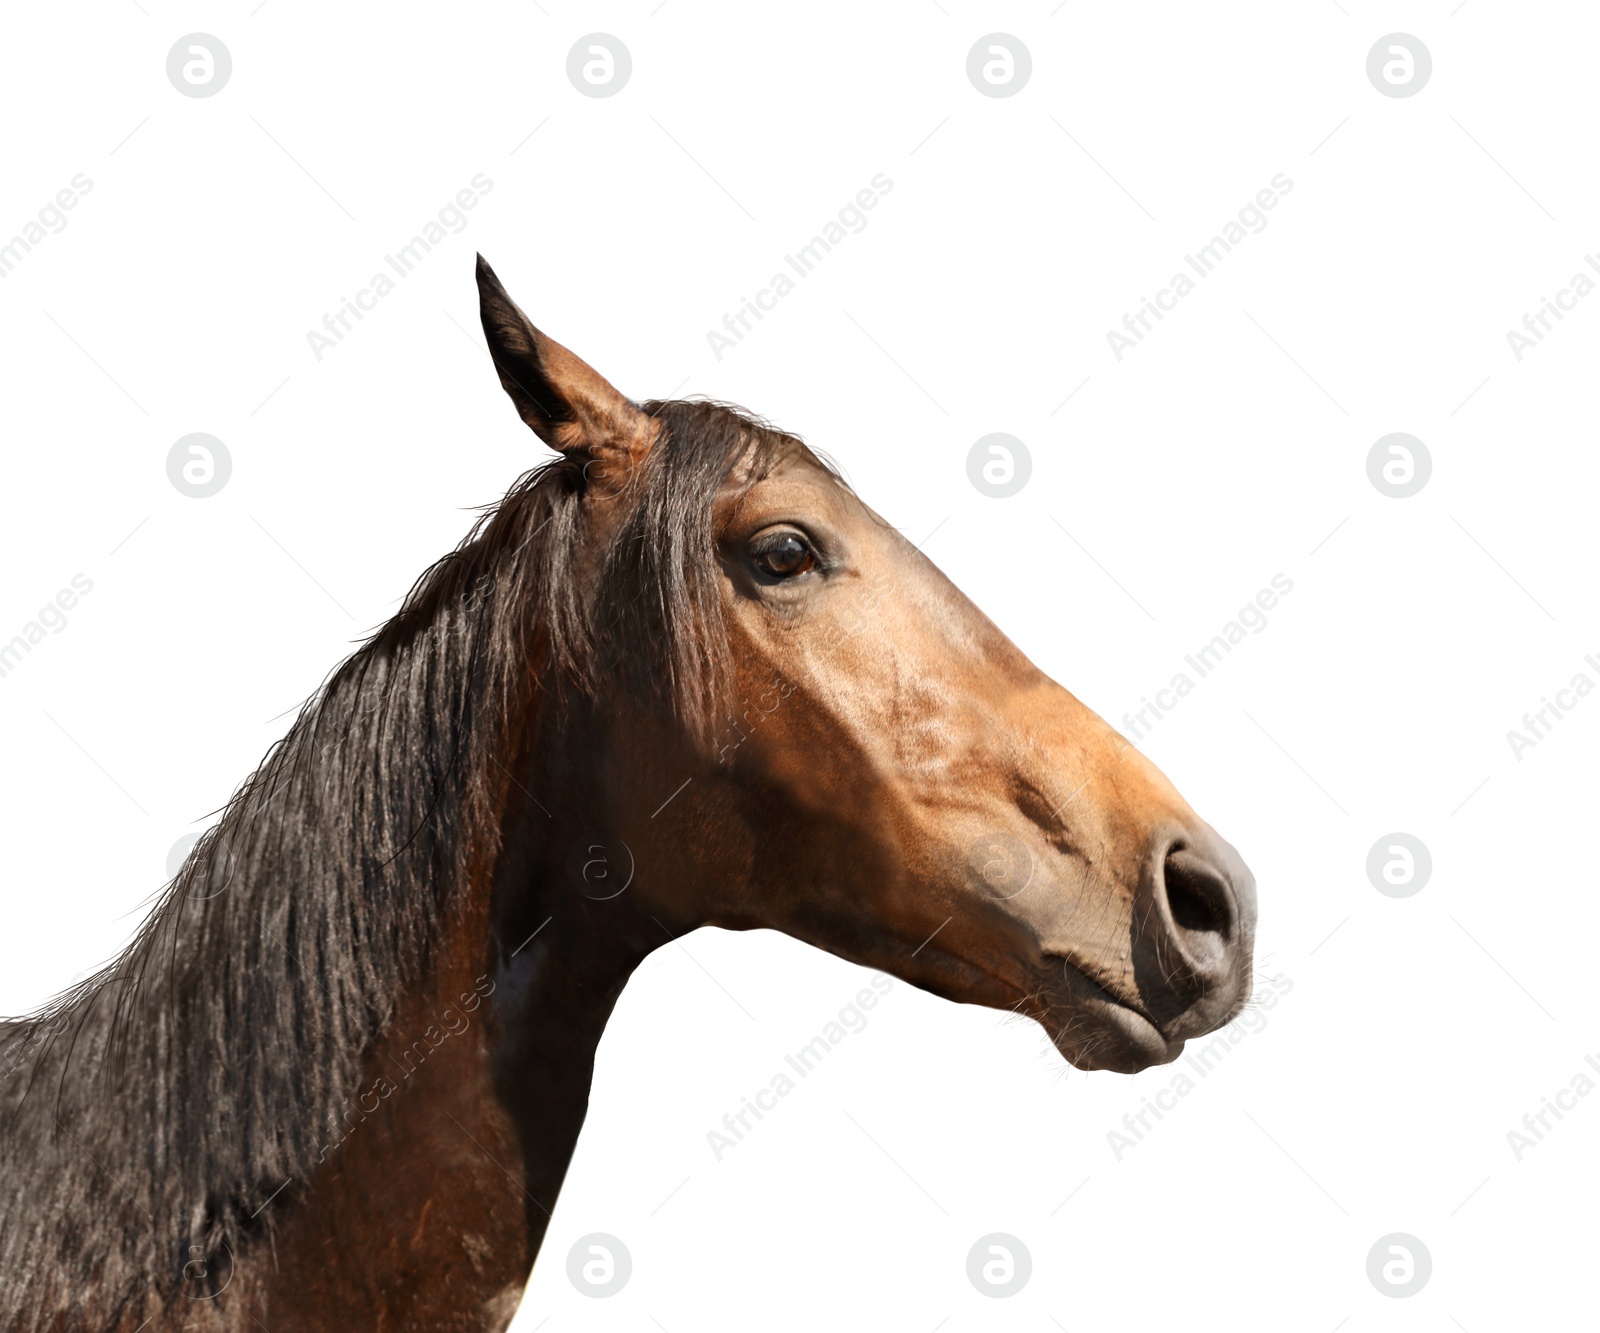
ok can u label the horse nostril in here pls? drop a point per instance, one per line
(1193, 937)
(1198, 900)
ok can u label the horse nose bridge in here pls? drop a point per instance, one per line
(1084, 782)
(1103, 776)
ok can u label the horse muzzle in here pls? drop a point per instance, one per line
(1191, 944)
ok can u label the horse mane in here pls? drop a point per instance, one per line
(147, 1113)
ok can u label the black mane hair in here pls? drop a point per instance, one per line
(147, 1113)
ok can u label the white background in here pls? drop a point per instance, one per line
(1227, 448)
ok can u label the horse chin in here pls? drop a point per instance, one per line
(1106, 1035)
(1094, 1028)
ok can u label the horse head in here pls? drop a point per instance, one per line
(854, 754)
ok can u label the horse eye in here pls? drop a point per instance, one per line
(783, 555)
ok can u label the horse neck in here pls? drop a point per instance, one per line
(393, 1161)
(565, 945)
(472, 1100)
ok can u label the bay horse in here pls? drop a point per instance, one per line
(680, 676)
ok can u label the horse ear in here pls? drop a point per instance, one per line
(567, 403)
